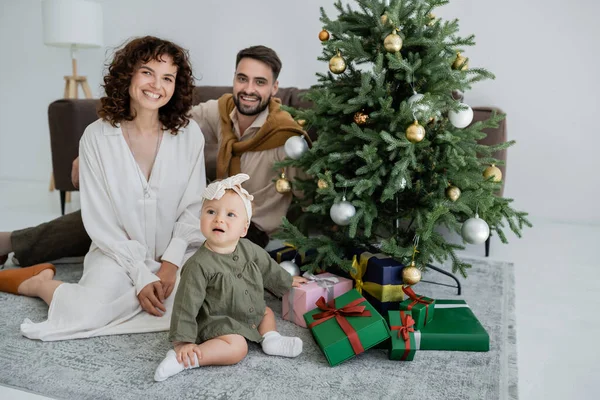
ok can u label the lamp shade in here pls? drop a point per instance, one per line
(72, 23)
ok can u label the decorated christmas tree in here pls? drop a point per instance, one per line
(396, 155)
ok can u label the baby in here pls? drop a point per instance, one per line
(220, 300)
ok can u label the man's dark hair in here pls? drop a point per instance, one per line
(264, 54)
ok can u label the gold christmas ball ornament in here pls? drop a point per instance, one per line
(323, 36)
(453, 193)
(301, 122)
(283, 185)
(392, 43)
(411, 275)
(415, 132)
(494, 171)
(322, 184)
(460, 62)
(360, 118)
(432, 19)
(337, 64)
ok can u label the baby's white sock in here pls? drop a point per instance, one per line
(170, 366)
(276, 345)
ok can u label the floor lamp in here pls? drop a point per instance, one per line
(75, 24)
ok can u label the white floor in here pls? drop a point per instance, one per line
(557, 286)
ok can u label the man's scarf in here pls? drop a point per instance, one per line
(278, 128)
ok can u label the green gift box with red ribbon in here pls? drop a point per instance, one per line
(346, 326)
(422, 308)
(404, 342)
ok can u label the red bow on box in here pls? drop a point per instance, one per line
(403, 331)
(407, 326)
(351, 309)
(417, 299)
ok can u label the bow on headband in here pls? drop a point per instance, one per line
(217, 189)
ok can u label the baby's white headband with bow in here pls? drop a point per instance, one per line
(217, 189)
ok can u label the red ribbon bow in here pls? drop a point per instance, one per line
(416, 300)
(407, 326)
(352, 309)
(403, 331)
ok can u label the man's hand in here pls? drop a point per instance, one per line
(168, 275)
(298, 280)
(75, 173)
(151, 298)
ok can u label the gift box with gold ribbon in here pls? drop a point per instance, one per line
(404, 343)
(286, 253)
(303, 257)
(378, 278)
(422, 307)
(346, 326)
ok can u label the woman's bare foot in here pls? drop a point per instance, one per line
(30, 286)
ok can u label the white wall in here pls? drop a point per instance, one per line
(543, 52)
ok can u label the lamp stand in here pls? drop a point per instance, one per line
(72, 82)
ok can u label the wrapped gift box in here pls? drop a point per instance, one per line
(455, 327)
(289, 253)
(402, 332)
(285, 253)
(422, 308)
(298, 301)
(303, 257)
(378, 278)
(345, 327)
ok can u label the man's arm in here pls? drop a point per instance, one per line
(206, 116)
(75, 173)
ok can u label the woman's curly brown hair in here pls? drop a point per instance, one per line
(115, 107)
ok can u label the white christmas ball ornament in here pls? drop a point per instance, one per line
(290, 267)
(475, 230)
(461, 118)
(342, 212)
(415, 98)
(295, 146)
(402, 183)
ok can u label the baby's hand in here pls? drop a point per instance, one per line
(185, 354)
(298, 280)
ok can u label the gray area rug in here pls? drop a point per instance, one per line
(122, 367)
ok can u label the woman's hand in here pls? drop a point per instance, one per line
(168, 276)
(151, 298)
(185, 354)
(298, 280)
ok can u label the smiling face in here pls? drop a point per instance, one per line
(152, 84)
(253, 86)
(223, 222)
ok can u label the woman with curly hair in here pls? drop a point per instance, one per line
(142, 175)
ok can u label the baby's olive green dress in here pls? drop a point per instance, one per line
(223, 294)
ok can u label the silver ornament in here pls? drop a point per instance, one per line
(290, 267)
(461, 118)
(416, 98)
(342, 212)
(402, 183)
(475, 230)
(295, 146)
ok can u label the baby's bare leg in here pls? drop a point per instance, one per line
(273, 343)
(222, 350)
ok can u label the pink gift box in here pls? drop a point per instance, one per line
(301, 300)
